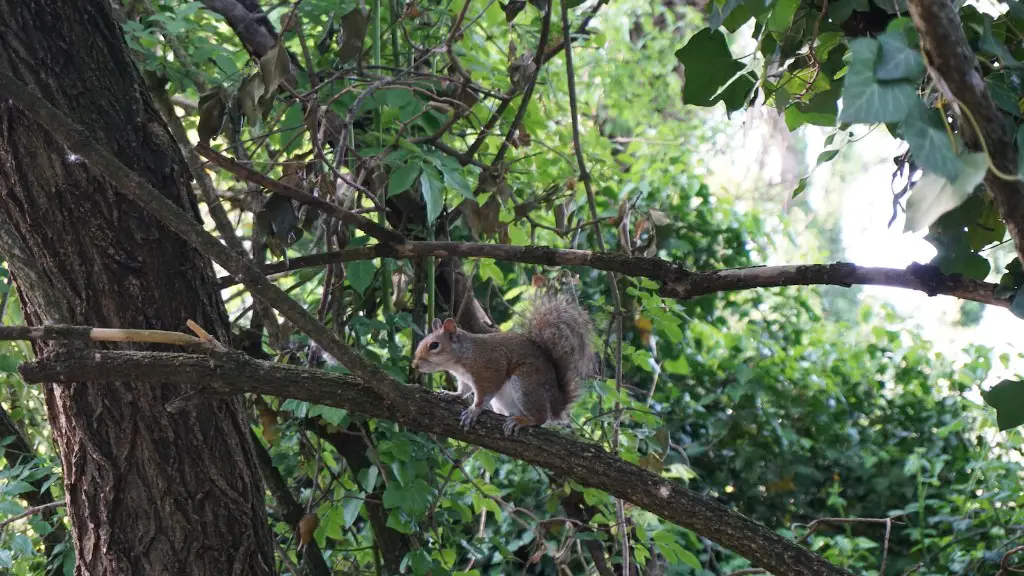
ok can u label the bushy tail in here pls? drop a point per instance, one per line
(564, 330)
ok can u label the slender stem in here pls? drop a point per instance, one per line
(613, 281)
(385, 264)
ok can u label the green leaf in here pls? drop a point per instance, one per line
(964, 262)
(800, 187)
(1017, 304)
(897, 60)
(403, 177)
(708, 66)
(996, 47)
(1020, 153)
(866, 100)
(782, 14)
(929, 142)
(353, 503)
(1007, 398)
(430, 187)
(721, 10)
(933, 195)
(21, 545)
(360, 274)
(413, 499)
(9, 364)
(453, 177)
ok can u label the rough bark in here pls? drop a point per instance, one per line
(589, 464)
(149, 492)
(955, 68)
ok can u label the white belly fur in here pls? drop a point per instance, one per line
(506, 401)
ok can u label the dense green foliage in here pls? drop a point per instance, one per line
(760, 398)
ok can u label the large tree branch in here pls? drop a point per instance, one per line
(954, 66)
(677, 282)
(232, 373)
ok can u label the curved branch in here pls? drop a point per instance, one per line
(233, 373)
(677, 282)
(954, 66)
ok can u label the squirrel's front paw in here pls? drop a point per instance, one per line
(469, 416)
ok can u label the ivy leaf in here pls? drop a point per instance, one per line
(350, 508)
(708, 66)
(1017, 304)
(995, 47)
(1007, 398)
(865, 100)
(897, 60)
(1020, 154)
(720, 11)
(430, 187)
(933, 195)
(964, 262)
(782, 14)
(929, 142)
(1004, 96)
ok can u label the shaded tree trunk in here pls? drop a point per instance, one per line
(148, 491)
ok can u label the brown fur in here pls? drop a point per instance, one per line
(531, 375)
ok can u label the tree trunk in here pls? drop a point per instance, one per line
(148, 491)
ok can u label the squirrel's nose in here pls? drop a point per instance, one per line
(415, 363)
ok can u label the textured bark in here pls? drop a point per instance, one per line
(954, 66)
(148, 491)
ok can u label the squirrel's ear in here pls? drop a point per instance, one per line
(436, 325)
(450, 327)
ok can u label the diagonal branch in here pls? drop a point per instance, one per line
(232, 373)
(134, 187)
(677, 282)
(363, 223)
(953, 65)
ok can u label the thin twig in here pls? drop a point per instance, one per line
(538, 62)
(368, 226)
(31, 512)
(620, 509)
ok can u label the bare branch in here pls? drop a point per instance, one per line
(363, 223)
(231, 373)
(31, 512)
(677, 282)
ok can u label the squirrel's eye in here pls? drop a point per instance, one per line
(433, 346)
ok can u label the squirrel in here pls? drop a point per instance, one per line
(531, 374)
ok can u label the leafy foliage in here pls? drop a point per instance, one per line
(754, 397)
